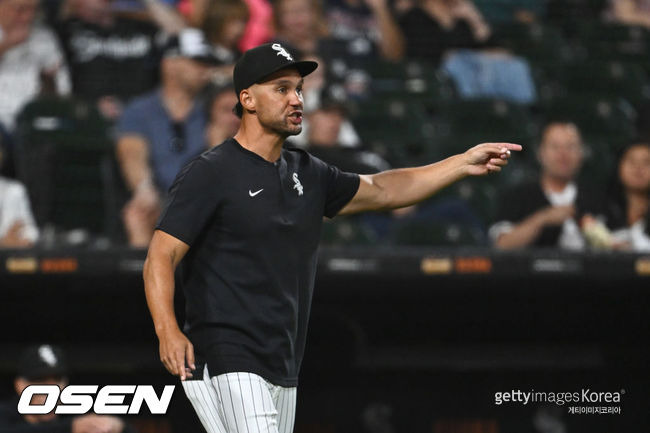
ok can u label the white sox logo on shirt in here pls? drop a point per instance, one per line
(298, 185)
(282, 52)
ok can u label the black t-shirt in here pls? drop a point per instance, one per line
(525, 199)
(13, 422)
(253, 229)
(121, 60)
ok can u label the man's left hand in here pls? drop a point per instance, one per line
(488, 157)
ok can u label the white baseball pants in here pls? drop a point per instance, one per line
(241, 403)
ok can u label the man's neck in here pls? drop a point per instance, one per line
(177, 102)
(554, 184)
(257, 139)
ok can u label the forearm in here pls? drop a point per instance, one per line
(133, 157)
(522, 234)
(158, 277)
(408, 186)
(391, 43)
(480, 28)
(164, 16)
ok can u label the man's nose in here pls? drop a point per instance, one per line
(296, 98)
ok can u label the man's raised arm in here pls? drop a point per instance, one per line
(406, 186)
(165, 253)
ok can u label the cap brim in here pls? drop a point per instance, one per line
(304, 67)
(208, 60)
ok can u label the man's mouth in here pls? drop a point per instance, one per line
(296, 117)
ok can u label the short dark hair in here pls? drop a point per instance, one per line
(238, 109)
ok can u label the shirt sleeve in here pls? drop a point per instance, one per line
(340, 187)
(192, 200)
(131, 122)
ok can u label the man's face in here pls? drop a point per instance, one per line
(560, 152)
(278, 102)
(296, 17)
(324, 127)
(20, 383)
(193, 75)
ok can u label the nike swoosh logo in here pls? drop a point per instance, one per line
(253, 194)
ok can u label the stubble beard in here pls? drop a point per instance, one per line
(283, 127)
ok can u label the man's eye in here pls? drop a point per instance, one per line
(282, 89)
(299, 90)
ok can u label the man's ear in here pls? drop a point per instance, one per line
(247, 100)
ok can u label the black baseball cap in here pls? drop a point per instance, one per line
(260, 62)
(191, 43)
(42, 361)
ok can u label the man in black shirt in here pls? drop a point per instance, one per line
(46, 365)
(244, 220)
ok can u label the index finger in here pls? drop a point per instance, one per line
(180, 365)
(506, 146)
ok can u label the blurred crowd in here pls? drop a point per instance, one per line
(103, 101)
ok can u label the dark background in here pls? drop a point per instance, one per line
(391, 348)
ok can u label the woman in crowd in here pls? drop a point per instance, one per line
(299, 24)
(627, 211)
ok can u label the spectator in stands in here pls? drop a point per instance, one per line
(627, 212)
(455, 34)
(323, 131)
(630, 12)
(163, 130)
(368, 24)
(223, 123)
(544, 213)
(113, 58)
(300, 24)
(313, 90)
(46, 365)
(17, 226)
(435, 26)
(224, 23)
(29, 56)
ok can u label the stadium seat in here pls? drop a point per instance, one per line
(438, 233)
(612, 79)
(612, 41)
(612, 119)
(413, 80)
(462, 124)
(63, 155)
(599, 164)
(398, 129)
(346, 231)
(534, 41)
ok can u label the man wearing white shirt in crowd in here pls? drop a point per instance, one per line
(29, 55)
(546, 212)
(17, 226)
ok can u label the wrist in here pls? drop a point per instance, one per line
(166, 328)
(144, 184)
(540, 218)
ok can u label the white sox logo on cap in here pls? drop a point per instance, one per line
(282, 52)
